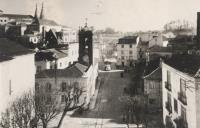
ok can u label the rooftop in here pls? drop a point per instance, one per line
(157, 48)
(128, 40)
(10, 48)
(155, 75)
(74, 71)
(16, 16)
(185, 63)
(50, 55)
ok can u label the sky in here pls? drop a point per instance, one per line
(122, 15)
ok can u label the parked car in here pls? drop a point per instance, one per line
(107, 67)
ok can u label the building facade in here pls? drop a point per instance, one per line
(15, 79)
(180, 80)
(153, 88)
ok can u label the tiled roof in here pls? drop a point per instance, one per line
(128, 40)
(74, 71)
(49, 55)
(16, 16)
(157, 48)
(155, 75)
(10, 48)
(189, 64)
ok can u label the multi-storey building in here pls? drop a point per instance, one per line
(17, 72)
(127, 50)
(153, 88)
(181, 82)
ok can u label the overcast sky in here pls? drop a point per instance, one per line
(124, 15)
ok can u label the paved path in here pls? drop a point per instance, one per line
(108, 110)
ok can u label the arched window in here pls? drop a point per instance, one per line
(48, 87)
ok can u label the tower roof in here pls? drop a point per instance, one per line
(36, 16)
(42, 12)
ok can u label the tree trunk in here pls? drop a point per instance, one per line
(44, 124)
(61, 119)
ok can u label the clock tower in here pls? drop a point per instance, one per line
(85, 46)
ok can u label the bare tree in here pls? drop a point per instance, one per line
(135, 109)
(47, 108)
(72, 100)
(5, 119)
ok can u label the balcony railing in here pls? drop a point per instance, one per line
(168, 106)
(181, 122)
(168, 86)
(182, 97)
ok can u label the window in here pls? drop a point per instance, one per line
(39, 68)
(63, 86)
(131, 52)
(130, 46)
(122, 52)
(152, 101)
(182, 86)
(37, 87)
(183, 113)
(168, 77)
(122, 46)
(1, 20)
(60, 64)
(48, 87)
(48, 99)
(62, 98)
(4, 20)
(169, 98)
(122, 57)
(175, 106)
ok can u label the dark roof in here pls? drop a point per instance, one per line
(50, 55)
(144, 43)
(155, 75)
(10, 48)
(151, 66)
(128, 40)
(157, 48)
(188, 64)
(74, 71)
(16, 16)
(47, 22)
(5, 58)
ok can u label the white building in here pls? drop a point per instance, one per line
(127, 50)
(77, 74)
(69, 35)
(63, 57)
(17, 72)
(181, 82)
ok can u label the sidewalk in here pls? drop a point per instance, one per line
(94, 97)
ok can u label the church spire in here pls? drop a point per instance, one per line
(36, 16)
(42, 12)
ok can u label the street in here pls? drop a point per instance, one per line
(108, 110)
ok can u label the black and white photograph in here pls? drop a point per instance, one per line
(99, 64)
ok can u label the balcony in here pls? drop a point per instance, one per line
(182, 97)
(168, 106)
(181, 122)
(168, 86)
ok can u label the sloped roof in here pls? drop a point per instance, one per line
(10, 48)
(155, 75)
(16, 16)
(74, 71)
(128, 40)
(157, 48)
(189, 64)
(49, 55)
